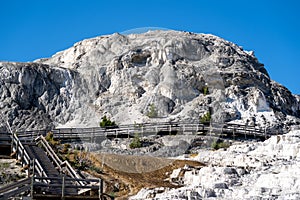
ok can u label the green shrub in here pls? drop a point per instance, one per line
(205, 118)
(4, 165)
(218, 145)
(49, 136)
(152, 113)
(205, 90)
(65, 149)
(223, 145)
(81, 161)
(50, 139)
(96, 169)
(136, 142)
(106, 122)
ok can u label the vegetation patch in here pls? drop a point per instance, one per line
(4, 166)
(205, 90)
(205, 118)
(50, 139)
(152, 111)
(136, 142)
(220, 144)
(106, 122)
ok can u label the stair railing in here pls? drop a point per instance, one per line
(63, 166)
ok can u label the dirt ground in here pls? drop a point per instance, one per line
(10, 171)
(126, 175)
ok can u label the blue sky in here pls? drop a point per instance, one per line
(34, 29)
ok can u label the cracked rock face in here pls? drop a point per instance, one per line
(34, 95)
(155, 76)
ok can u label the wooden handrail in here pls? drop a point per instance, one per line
(20, 148)
(38, 168)
(58, 163)
(137, 126)
(72, 172)
(66, 178)
(41, 140)
(63, 184)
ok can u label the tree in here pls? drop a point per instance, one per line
(205, 118)
(136, 142)
(205, 90)
(106, 122)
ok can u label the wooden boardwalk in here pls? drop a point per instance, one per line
(47, 174)
(97, 134)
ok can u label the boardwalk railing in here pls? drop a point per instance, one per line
(37, 172)
(43, 185)
(95, 133)
(12, 190)
(89, 134)
(20, 152)
(98, 134)
(62, 183)
(63, 166)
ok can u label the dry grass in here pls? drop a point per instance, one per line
(133, 173)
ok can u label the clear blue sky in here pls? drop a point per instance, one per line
(34, 29)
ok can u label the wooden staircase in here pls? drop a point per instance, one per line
(47, 174)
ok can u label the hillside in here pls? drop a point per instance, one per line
(154, 76)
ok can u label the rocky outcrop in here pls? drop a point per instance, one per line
(34, 95)
(252, 170)
(155, 76)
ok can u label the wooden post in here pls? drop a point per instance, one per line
(22, 156)
(233, 133)
(210, 128)
(100, 188)
(32, 179)
(265, 132)
(91, 140)
(222, 131)
(94, 137)
(63, 188)
(12, 145)
(17, 146)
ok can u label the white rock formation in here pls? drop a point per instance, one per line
(122, 76)
(264, 170)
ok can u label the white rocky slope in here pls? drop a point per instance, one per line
(263, 170)
(123, 76)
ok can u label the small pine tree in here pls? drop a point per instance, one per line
(205, 90)
(205, 118)
(136, 142)
(106, 122)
